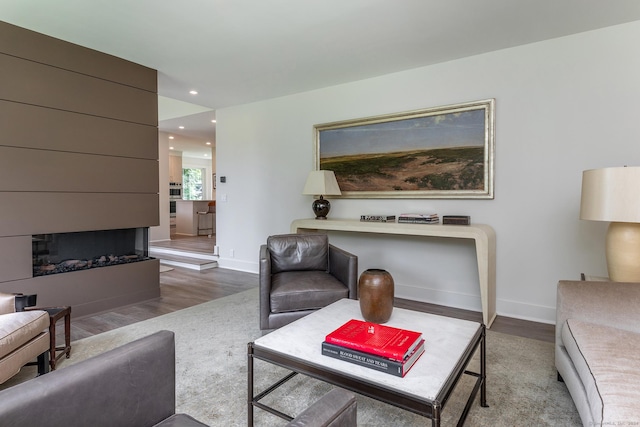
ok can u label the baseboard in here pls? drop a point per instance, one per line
(238, 265)
(513, 309)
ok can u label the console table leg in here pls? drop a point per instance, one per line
(483, 369)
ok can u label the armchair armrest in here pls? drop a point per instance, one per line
(612, 304)
(344, 267)
(264, 278)
(336, 408)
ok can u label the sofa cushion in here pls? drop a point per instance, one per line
(296, 252)
(18, 328)
(308, 290)
(607, 360)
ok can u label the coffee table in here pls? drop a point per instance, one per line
(449, 346)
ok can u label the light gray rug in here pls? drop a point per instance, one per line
(211, 374)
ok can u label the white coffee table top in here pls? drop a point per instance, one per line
(446, 339)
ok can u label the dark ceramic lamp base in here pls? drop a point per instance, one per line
(321, 208)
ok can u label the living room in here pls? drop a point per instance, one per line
(562, 105)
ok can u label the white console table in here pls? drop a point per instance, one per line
(483, 235)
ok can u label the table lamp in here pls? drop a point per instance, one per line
(613, 194)
(321, 183)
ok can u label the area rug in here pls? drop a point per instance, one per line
(211, 374)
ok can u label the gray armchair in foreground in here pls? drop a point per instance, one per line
(338, 408)
(130, 386)
(301, 273)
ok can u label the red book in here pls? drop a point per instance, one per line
(381, 340)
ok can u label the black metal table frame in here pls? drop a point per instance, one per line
(427, 408)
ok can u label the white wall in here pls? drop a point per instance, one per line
(161, 232)
(562, 106)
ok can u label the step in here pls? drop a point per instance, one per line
(184, 259)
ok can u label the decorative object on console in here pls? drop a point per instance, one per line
(456, 220)
(378, 218)
(409, 218)
(322, 183)
(612, 194)
(375, 291)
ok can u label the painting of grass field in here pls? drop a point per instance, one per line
(439, 152)
(456, 168)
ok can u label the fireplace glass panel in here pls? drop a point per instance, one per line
(65, 252)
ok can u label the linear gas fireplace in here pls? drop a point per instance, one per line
(66, 252)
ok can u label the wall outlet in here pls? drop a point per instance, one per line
(232, 253)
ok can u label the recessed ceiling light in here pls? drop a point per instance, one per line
(208, 143)
(193, 92)
(213, 121)
(170, 148)
(170, 137)
(206, 155)
(181, 127)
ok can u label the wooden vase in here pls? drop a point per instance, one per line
(375, 291)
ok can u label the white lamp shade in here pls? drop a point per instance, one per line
(611, 194)
(322, 183)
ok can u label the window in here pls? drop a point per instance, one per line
(192, 183)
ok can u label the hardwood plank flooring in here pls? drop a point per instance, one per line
(179, 288)
(201, 244)
(183, 288)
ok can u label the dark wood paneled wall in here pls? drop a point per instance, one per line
(79, 152)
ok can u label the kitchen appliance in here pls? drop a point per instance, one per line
(175, 190)
(175, 193)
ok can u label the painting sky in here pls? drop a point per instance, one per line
(445, 130)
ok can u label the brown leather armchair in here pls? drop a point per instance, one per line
(301, 273)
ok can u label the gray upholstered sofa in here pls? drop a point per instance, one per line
(300, 273)
(598, 349)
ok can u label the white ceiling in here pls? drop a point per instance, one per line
(239, 51)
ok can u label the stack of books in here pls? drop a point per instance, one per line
(378, 218)
(384, 348)
(419, 218)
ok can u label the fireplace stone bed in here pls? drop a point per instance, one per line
(78, 264)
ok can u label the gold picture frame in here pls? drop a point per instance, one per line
(442, 153)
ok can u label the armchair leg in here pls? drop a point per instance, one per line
(43, 363)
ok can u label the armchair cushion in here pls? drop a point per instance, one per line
(308, 290)
(295, 252)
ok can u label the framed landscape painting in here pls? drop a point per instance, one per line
(442, 152)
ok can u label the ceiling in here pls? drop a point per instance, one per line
(240, 51)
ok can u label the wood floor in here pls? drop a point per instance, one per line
(181, 288)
